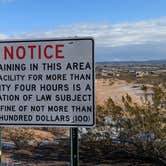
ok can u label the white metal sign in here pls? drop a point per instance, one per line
(47, 82)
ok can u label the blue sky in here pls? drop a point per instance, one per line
(123, 29)
(19, 16)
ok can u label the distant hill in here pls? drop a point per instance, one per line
(153, 62)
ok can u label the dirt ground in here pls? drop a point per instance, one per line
(8, 161)
(116, 89)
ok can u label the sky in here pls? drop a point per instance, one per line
(123, 29)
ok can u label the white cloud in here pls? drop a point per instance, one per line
(108, 35)
(2, 36)
(144, 40)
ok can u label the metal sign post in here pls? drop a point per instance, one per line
(74, 147)
(0, 146)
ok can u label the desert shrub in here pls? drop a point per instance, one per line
(22, 137)
(144, 88)
(138, 129)
(144, 127)
(58, 132)
(22, 154)
(111, 82)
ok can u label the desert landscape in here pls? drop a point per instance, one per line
(115, 92)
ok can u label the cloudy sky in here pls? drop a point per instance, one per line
(122, 29)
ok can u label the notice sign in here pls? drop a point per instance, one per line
(47, 82)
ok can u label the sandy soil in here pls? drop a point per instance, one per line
(119, 88)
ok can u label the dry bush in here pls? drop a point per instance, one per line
(57, 132)
(140, 130)
(22, 137)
